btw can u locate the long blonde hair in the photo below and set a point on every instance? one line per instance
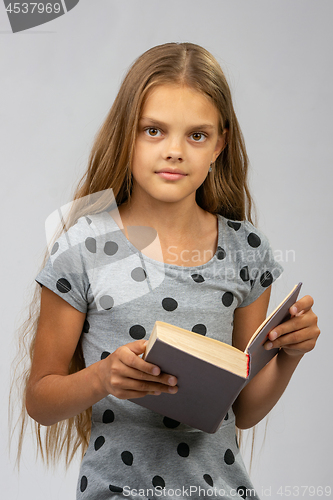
(224, 191)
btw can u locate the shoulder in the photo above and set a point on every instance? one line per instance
(249, 249)
(243, 234)
(86, 231)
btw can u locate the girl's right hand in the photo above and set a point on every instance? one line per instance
(53, 394)
(126, 375)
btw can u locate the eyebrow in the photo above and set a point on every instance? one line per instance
(206, 126)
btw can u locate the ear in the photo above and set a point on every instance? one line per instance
(221, 143)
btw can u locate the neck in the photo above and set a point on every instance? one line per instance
(166, 218)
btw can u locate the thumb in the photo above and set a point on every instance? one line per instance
(138, 347)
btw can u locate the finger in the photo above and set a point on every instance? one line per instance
(163, 378)
(296, 337)
(291, 325)
(132, 394)
(129, 355)
(121, 384)
(137, 394)
(130, 359)
(138, 346)
(304, 304)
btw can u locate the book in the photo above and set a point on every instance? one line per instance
(210, 373)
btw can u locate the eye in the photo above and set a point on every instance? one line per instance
(198, 136)
(152, 131)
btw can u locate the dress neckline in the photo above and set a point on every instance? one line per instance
(109, 218)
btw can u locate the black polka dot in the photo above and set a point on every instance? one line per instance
(63, 285)
(220, 253)
(88, 220)
(110, 248)
(86, 326)
(229, 457)
(226, 417)
(127, 457)
(266, 279)
(169, 304)
(115, 489)
(106, 302)
(208, 479)
(158, 481)
(138, 274)
(252, 282)
(197, 278)
(105, 354)
(108, 417)
(183, 450)
(244, 273)
(55, 248)
(99, 442)
(199, 328)
(137, 332)
(227, 299)
(170, 423)
(234, 225)
(253, 240)
(83, 483)
(91, 244)
(241, 490)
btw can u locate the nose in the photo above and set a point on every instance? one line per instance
(174, 150)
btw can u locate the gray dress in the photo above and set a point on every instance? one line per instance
(133, 452)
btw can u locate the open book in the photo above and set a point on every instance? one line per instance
(210, 373)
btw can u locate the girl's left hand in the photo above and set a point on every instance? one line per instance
(299, 334)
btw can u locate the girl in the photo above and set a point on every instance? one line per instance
(172, 152)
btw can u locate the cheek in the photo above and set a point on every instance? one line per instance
(140, 154)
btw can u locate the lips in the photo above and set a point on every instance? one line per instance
(171, 174)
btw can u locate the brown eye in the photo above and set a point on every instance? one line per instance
(152, 132)
(198, 137)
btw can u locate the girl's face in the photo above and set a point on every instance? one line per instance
(177, 140)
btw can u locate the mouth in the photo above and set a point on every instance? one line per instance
(171, 174)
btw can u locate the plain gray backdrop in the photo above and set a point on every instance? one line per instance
(58, 82)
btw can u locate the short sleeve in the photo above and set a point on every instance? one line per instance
(261, 269)
(65, 272)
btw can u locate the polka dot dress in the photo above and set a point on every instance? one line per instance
(134, 452)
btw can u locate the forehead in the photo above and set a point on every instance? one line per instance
(178, 102)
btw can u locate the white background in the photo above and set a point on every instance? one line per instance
(58, 82)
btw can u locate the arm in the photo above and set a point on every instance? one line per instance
(53, 395)
(295, 337)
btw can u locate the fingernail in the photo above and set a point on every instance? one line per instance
(273, 335)
(293, 310)
(156, 393)
(172, 390)
(172, 381)
(155, 371)
(269, 345)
